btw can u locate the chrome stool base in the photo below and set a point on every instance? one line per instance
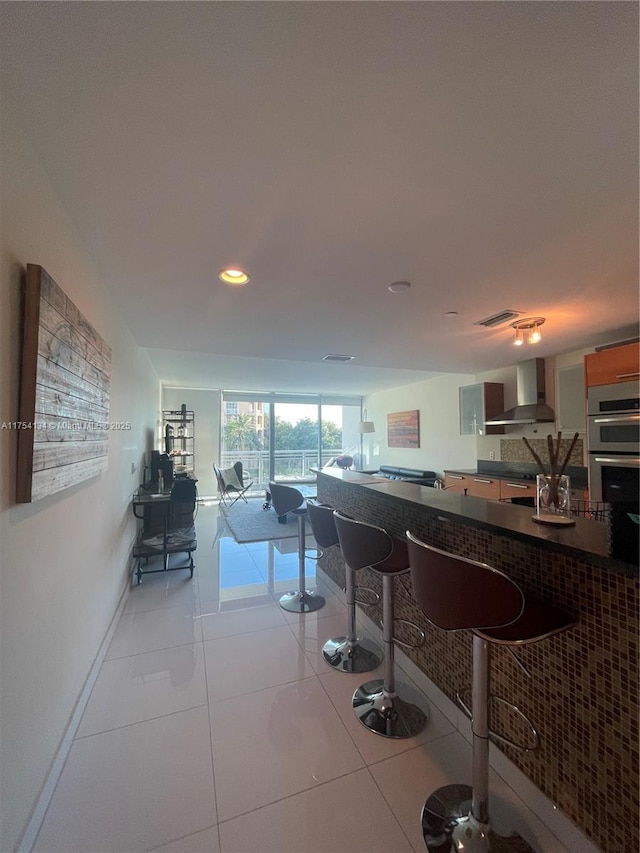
(301, 602)
(360, 655)
(448, 827)
(399, 716)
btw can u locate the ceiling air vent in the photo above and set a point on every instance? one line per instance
(497, 319)
(339, 358)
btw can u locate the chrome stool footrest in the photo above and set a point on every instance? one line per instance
(315, 557)
(421, 634)
(376, 597)
(448, 827)
(461, 699)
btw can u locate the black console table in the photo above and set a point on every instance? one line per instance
(167, 528)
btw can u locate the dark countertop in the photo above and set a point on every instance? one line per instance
(587, 537)
(525, 471)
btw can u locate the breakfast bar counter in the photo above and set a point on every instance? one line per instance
(583, 691)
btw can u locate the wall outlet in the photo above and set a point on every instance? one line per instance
(133, 467)
(492, 454)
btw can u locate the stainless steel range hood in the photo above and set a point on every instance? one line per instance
(531, 408)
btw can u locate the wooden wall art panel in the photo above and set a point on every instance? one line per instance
(64, 393)
(403, 429)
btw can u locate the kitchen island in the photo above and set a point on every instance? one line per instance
(583, 693)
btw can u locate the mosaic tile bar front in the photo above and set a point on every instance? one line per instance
(583, 693)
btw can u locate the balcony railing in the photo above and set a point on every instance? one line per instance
(290, 465)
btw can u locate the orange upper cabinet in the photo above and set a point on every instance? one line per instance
(619, 364)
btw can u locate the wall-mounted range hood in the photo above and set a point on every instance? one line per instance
(531, 408)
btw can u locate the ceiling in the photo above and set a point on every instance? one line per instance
(485, 152)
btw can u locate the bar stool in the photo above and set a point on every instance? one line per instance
(384, 707)
(455, 593)
(286, 499)
(350, 653)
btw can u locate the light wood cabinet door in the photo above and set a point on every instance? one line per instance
(512, 489)
(476, 485)
(455, 482)
(619, 364)
(483, 487)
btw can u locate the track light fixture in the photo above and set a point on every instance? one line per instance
(529, 327)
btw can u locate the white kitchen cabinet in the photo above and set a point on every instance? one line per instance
(570, 399)
(478, 403)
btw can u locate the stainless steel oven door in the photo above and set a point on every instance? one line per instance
(614, 433)
(614, 418)
(614, 478)
(609, 399)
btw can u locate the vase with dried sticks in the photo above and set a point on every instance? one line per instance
(553, 488)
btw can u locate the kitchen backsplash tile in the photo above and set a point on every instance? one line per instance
(515, 450)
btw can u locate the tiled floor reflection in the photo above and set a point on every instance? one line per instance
(216, 727)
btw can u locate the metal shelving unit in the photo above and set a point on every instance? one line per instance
(178, 438)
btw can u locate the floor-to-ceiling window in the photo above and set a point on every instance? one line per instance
(296, 440)
(283, 436)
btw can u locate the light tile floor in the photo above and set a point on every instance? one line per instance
(215, 727)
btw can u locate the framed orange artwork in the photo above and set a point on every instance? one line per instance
(403, 429)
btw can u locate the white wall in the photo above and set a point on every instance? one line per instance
(441, 445)
(206, 411)
(64, 560)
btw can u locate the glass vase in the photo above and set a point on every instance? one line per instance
(553, 496)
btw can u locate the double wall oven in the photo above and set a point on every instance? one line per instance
(614, 442)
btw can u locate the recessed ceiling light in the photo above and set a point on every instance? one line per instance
(233, 276)
(450, 313)
(399, 286)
